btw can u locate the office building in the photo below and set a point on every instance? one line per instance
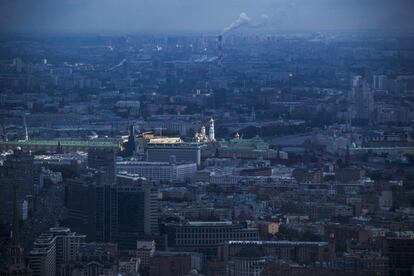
(207, 236)
(400, 251)
(159, 171)
(67, 248)
(42, 258)
(119, 213)
(87, 201)
(179, 152)
(134, 210)
(15, 264)
(302, 252)
(361, 99)
(103, 159)
(366, 262)
(54, 252)
(145, 250)
(380, 82)
(17, 173)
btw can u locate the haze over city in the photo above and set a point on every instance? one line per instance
(202, 16)
(216, 138)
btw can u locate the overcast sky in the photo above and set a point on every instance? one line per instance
(202, 15)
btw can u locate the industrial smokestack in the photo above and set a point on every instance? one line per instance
(220, 48)
(243, 20)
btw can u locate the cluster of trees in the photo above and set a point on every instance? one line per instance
(286, 233)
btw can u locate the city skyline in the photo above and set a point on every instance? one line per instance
(210, 138)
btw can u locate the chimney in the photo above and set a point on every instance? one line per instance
(220, 48)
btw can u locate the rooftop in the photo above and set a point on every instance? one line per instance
(54, 143)
(279, 242)
(210, 223)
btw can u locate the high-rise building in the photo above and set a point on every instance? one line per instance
(88, 201)
(67, 248)
(16, 173)
(121, 213)
(42, 258)
(361, 101)
(80, 203)
(103, 159)
(380, 82)
(99, 203)
(15, 264)
(55, 251)
(400, 251)
(134, 210)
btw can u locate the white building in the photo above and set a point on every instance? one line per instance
(158, 171)
(54, 251)
(145, 250)
(182, 152)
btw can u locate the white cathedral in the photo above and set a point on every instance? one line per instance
(202, 135)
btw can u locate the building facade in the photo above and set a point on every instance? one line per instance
(159, 171)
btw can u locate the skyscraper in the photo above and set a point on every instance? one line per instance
(103, 159)
(119, 213)
(15, 263)
(53, 252)
(42, 258)
(134, 210)
(68, 244)
(400, 251)
(88, 199)
(16, 173)
(361, 101)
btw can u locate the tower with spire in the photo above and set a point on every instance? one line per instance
(131, 146)
(211, 134)
(26, 132)
(202, 135)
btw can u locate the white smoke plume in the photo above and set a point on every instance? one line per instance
(264, 20)
(241, 21)
(244, 20)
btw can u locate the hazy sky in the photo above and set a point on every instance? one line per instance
(201, 15)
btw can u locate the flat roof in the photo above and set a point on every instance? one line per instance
(210, 223)
(149, 163)
(383, 148)
(280, 242)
